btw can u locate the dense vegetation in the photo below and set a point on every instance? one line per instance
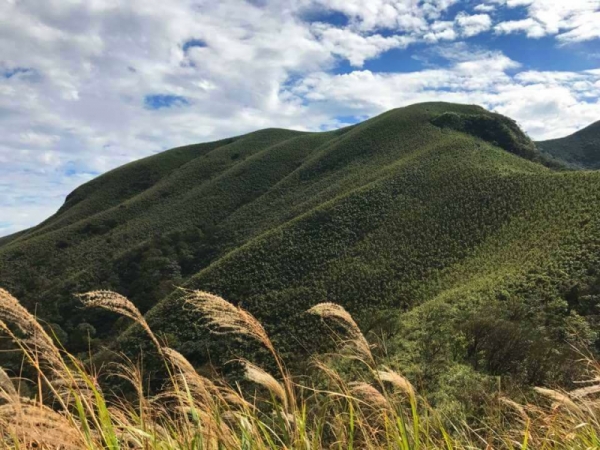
(368, 405)
(580, 150)
(435, 225)
(495, 128)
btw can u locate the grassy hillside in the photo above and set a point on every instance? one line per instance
(580, 150)
(435, 225)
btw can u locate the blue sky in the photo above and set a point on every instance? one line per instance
(86, 86)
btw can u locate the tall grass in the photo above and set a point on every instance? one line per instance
(381, 409)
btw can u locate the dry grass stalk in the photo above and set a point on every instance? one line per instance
(132, 374)
(225, 317)
(519, 409)
(369, 395)
(259, 376)
(75, 387)
(398, 381)
(217, 432)
(228, 420)
(36, 340)
(201, 387)
(38, 426)
(338, 314)
(559, 398)
(333, 375)
(7, 388)
(116, 303)
(584, 392)
(179, 361)
(128, 434)
(213, 431)
(234, 399)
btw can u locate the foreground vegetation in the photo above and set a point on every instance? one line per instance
(368, 407)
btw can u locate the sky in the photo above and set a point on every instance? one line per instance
(86, 86)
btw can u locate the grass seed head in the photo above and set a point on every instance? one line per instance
(338, 314)
(260, 376)
(39, 426)
(516, 407)
(225, 317)
(116, 303)
(398, 381)
(7, 388)
(35, 339)
(559, 398)
(370, 395)
(585, 392)
(201, 387)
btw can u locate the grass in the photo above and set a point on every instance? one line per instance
(373, 408)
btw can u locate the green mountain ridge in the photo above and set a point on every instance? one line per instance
(580, 150)
(436, 225)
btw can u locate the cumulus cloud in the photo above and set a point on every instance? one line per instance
(546, 104)
(402, 15)
(531, 27)
(472, 25)
(486, 8)
(584, 27)
(569, 20)
(441, 30)
(355, 47)
(88, 86)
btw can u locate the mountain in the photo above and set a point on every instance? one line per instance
(580, 150)
(436, 225)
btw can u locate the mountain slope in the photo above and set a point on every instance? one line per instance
(434, 224)
(580, 150)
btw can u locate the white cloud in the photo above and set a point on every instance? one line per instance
(20, 205)
(402, 15)
(585, 27)
(441, 30)
(485, 8)
(355, 47)
(570, 20)
(531, 27)
(546, 104)
(79, 73)
(473, 25)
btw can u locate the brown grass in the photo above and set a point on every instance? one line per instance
(259, 376)
(398, 381)
(355, 338)
(338, 411)
(116, 303)
(224, 317)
